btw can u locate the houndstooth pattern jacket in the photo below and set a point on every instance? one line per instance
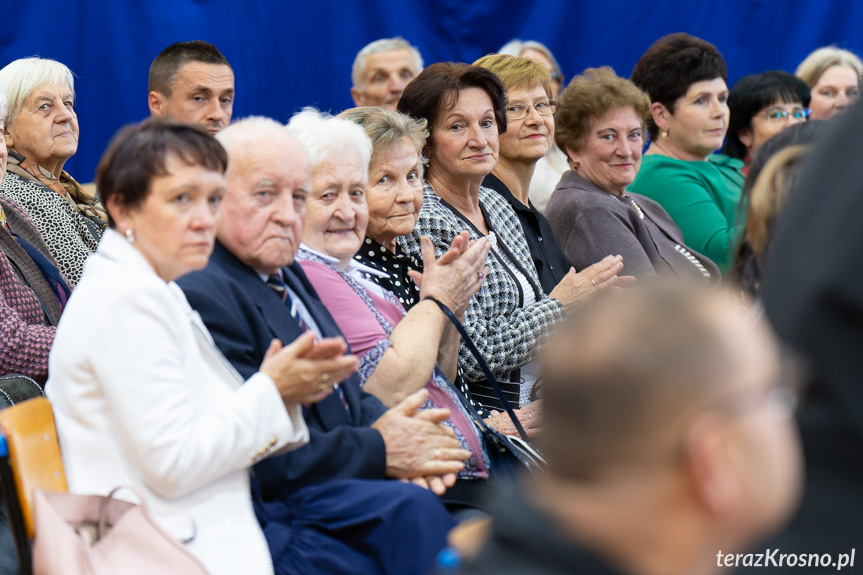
(25, 332)
(506, 335)
(61, 225)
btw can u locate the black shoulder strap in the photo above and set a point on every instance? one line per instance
(484, 367)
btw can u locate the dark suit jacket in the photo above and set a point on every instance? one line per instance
(244, 314)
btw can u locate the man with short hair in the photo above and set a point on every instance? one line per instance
(670, 443)
(381, 71)
(192, 82)
(327, 507)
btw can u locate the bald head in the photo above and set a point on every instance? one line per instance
(626, 375)
(261, 217)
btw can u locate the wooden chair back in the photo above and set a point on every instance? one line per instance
(34, 452)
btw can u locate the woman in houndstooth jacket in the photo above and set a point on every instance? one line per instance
(507, 319)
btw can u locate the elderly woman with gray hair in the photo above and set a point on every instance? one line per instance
(33, 292)
(400, 351)
(41, 131)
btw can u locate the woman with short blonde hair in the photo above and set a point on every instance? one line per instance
(833, 75)
(529, 137)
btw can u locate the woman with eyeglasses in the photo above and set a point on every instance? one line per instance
(685, 79)
(600, 126)
(762, 105)
(529, 135)
(552, 165)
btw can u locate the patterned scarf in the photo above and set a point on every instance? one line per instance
(65, 185)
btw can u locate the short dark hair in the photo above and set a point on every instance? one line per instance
(163, 70)
(436, 89)
(754, 93)
(671, 65)
(139, 152)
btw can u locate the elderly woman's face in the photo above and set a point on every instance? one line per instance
(46, 129)
(175, 227)
(697, 127)
(336, 212)
(834, 92)
(395, 192)
(611, 156)
(529, 138)
(465, 138)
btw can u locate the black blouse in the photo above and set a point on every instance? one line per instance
(396, 265)
(549, 260)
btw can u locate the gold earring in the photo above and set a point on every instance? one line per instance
(664, 135)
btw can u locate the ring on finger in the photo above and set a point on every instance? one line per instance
(479, 275)
(323, 386)
(593, 281)
(530, 415)
(325, 377)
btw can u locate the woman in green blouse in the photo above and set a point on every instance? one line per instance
(685, 78)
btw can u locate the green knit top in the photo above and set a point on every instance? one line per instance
(701, 197)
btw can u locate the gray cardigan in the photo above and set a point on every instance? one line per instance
(589, 224)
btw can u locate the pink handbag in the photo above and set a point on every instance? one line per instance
(101, 535)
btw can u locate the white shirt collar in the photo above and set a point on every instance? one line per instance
(354, 267)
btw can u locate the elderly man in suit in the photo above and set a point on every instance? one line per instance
(327, 507)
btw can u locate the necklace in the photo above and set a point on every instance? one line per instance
(637, 208)
(686, 253)
(623, 199)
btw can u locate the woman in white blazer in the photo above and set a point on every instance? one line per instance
(141, 395)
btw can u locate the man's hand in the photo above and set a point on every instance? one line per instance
(418, 446)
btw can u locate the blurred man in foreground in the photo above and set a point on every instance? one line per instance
(669, 438)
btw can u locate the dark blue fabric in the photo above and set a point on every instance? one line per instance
(292, 54)
(243, 315)
(52, 276)
(351, 526)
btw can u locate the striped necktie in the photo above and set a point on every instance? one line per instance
(281, 289)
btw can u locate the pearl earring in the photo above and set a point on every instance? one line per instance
(130, 235)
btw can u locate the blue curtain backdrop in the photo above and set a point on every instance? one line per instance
(288, 54)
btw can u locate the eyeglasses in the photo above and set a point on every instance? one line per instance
(520, 111)
(778, 114)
